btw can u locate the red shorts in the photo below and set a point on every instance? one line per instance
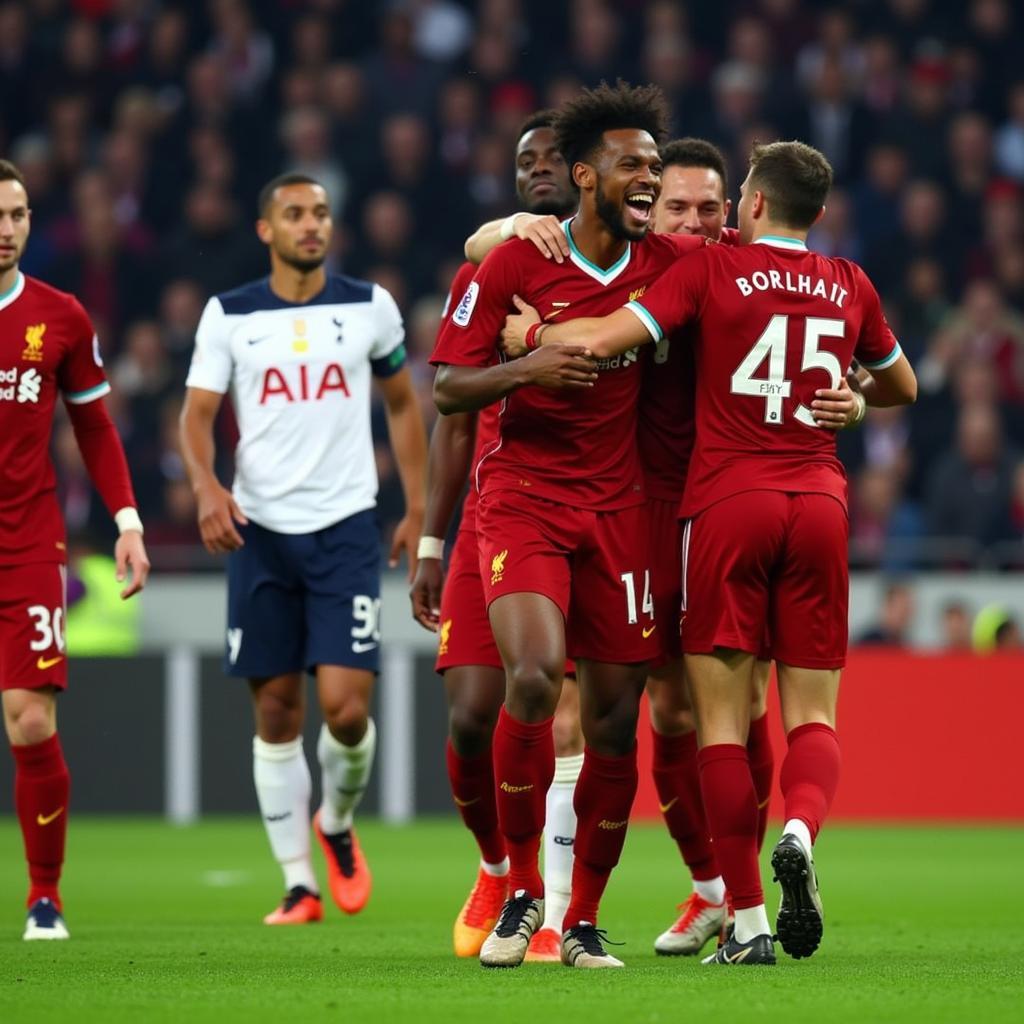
(773, 560)
(593, 565)
(466, 637)
(32, 613)
(666, 533)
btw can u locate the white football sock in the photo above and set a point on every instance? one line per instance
(750, 922)
(559, 836)
(712, 889)
(798, 828)
(345, 772)
(283, 788)
(495, 870)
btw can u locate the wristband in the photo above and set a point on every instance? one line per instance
(127, 518)
(508, 226)
(430, 547)
(532, 338)
(862, 408)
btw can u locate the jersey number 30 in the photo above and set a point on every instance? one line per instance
(772, 346)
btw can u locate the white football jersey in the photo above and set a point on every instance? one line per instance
(299, 376)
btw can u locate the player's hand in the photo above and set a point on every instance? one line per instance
(836, 408)
(513, 334)
(545, 232)
(425, 593)
(218, 513)
(130, 556)
(407, 536)
(561, 366)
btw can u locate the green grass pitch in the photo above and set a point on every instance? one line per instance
(922, 924)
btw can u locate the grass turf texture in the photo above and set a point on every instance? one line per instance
(922, 924)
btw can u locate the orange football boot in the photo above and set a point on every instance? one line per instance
(545, 947)
(300, 906)
(347, 873)
(479, 914)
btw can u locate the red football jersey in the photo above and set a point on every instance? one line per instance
(774, 323)
(487, 418)
(576, 447)
(47, 344)
(666, 422)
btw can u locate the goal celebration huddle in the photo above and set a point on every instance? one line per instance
(639, 414)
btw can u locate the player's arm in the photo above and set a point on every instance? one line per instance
(409, 443)
(542, 230)
(894, 384)
(215, 507)
(890, 377)
(448, 463)
(104, 458)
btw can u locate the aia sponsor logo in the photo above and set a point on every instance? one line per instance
(302, 383)
(23, 387)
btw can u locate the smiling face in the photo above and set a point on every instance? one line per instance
(625, 179)
(542, 176)
(297, 226)
(692, 202)
(15, 219)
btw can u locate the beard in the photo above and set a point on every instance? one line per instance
(303, 264)
(612, 218)
(555, 205)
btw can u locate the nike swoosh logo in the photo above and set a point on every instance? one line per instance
(361, 648)
(464, 803)
(648, 632)
(45, 819)
(738, 958)
(256, 341)
(665, 808)
(44, 663)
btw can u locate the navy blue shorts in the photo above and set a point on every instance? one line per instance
(300, 600)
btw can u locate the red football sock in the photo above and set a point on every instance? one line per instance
(677, 780)
(41, 788)
(604, 797)
(810, 774)
(472, 781)
(762, 765)
(524, 765)
(731, 806)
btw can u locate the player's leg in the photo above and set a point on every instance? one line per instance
(759, 741)
(560, 824)
(475, 694)
(474, 682)
(530, 632)
(283, 789)
(33, 669)
(524, 547)
(345, 749)
(809, 635)
(264, 645)
(677, 780)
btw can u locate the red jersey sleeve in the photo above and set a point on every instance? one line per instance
(678, 294)
(876, 346)
(469, 335)
(729, 236)
(80, 375)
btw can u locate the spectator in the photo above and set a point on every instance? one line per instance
(895, 618)
(1009, 144)
(956, 627)
(995, 629)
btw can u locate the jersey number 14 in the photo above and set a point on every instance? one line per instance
(772, 346)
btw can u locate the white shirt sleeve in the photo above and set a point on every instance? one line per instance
(212, 365)
(390, 332)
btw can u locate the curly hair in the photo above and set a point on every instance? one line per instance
(581, 122)
(690, 152)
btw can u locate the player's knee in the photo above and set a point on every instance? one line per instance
(567, 732)
(347, 720)
(612, 731)
(533, 690)
(30, 725)
(669, 719)
(470, 729)
(277, 720)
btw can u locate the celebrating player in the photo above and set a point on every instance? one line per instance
(467, 656)
(298, 350)
(773, 323)
(560, 519)
(47, 346)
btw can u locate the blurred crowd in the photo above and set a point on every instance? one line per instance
(146, 128)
